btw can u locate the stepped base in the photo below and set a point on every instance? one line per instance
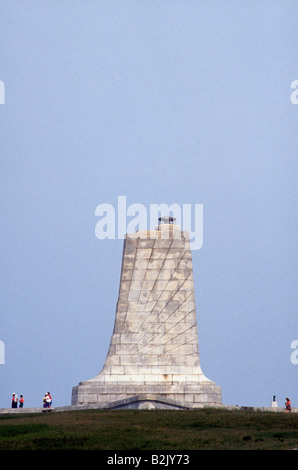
(165, 396)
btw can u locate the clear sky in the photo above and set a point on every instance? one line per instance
(166, 101)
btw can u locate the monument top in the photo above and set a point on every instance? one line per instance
(166, 220)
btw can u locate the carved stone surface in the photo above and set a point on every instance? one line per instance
(154, 345)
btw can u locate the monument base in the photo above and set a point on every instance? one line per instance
(167, 396)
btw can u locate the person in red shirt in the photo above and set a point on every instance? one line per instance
(14, 403)
(21, 401)
(288, 405)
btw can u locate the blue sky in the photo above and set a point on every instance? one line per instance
(183, 102)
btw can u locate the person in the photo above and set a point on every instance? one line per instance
(49, 400)
(21, 401)
(288, 405)
(14, 403)
(45, 404)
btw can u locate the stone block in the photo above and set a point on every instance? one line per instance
(143, 253)
(138, 275)
(159, 253)
(165, 274)
(133, 296)
(148, 243)
(123, 296)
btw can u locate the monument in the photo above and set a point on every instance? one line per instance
(153, 359)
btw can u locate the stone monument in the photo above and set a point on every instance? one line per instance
(153, 359)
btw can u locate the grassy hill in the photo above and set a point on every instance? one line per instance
(208, 429)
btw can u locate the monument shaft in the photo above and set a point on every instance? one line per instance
(153, 354)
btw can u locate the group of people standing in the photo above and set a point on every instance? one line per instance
(47, 400)
(17, 401)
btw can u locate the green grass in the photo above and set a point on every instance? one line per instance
(208, 429)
